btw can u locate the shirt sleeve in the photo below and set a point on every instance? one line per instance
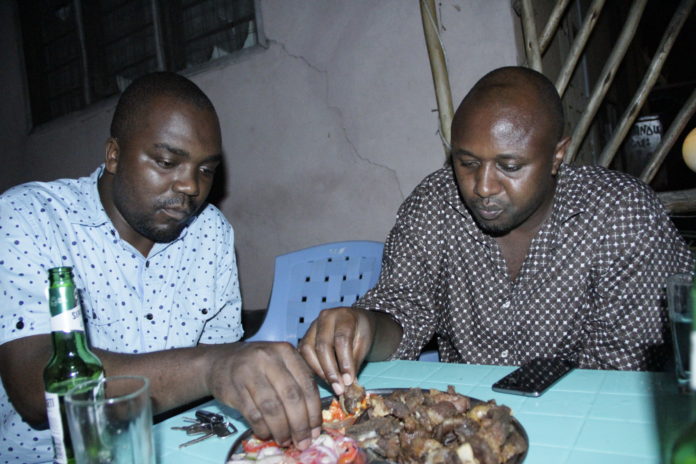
(24, 256)
(226, 325)
(406, 286)
(640, 248)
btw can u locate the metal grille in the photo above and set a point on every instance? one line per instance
(78, 51)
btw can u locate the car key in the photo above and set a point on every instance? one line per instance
(205, 436)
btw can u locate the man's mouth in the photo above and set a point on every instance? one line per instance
(489, 213)
(178, 214)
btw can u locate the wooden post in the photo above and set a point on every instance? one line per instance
(531, 40)
(606, 78)
(438, 67)
(681, 201)
(552, 25)
(578, 46)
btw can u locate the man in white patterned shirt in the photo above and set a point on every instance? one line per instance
(507, 254)
(156, 269)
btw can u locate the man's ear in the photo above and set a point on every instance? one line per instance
(561, 148)
(112, 155)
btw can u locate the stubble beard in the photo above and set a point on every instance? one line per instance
(143, 222)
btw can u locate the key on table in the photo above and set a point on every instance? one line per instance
(217, 422)
(207, 423)
(205, 436)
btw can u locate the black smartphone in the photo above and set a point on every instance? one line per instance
(533, 377)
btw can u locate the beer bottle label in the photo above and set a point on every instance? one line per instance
(56, 424)
(68, 321)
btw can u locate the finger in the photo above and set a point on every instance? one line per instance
(310, 399)
(253, 415)
(325, 350)
(268, 407)
(344, 339)
(308, 352)
(291, 379)
(364, 335)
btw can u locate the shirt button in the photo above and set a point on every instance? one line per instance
(147, 263)
(204, 311)
(506, 305)
(504, 354)
(149, 316)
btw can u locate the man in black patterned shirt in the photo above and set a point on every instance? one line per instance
(507, 254)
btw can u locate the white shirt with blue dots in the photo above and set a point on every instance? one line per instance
(183, 293)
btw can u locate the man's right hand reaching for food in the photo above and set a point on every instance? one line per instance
(340, 339)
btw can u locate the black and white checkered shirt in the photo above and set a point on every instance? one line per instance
(591, 287)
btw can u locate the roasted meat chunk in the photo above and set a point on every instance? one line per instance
(352, 399)
(436, 427)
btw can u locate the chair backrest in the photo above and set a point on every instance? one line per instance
(309, 280)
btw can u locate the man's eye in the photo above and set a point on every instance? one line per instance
(165, 163)
(208, 171)
(510, 167)
(467, 164)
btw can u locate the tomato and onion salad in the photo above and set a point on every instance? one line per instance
(331, 447)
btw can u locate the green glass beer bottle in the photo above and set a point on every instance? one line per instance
(684, 450)
(72, 361)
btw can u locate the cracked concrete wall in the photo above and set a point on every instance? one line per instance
(325, 131)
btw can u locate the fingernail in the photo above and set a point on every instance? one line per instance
(316, 431)
(337, 388)
(304, 444)
(347, 379)
(286, 443)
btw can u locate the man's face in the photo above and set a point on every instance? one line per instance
(164, 170)
(505, 163)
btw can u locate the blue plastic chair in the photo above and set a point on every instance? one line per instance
(309, 280)
(323, 276)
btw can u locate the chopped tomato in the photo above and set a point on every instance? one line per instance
(336, 412)
(254, 445)
(349, 456)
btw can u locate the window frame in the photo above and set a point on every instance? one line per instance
(92, 103)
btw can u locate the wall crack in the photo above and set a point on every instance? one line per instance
(337, 110)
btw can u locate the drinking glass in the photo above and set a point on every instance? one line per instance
(679, 308)
(110, 420)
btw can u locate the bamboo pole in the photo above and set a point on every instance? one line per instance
(438, 67)
(84, 58)
(670, 138)
(668, 38)
(681, 201)
(552, 25)
(578, 46)
(159, 41)
(531, 40)
(606, 78)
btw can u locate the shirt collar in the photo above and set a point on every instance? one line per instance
(567, 198)
(453, 197)
(93, 214)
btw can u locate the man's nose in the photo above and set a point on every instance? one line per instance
(487, 184)
(187, 183)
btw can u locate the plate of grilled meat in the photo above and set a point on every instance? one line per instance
(400, 425)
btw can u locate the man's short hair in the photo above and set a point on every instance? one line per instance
(140, 93)
(517, 76)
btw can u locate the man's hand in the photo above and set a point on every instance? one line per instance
(269, 383)
(272, 386)
(337, 343)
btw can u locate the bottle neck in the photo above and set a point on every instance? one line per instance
(68, 342)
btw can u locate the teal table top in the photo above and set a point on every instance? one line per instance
(587, 417)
